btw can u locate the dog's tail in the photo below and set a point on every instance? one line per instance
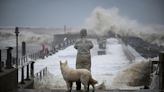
(93, 81)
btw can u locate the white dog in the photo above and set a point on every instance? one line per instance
(71, 75)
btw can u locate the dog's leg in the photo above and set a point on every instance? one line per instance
(68, 86)
(93, 88)
(71, 86)
(85, 82)
(88, 87)
(85, 88)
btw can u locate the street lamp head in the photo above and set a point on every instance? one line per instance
(16, 31)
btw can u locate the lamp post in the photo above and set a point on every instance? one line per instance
(17, 33)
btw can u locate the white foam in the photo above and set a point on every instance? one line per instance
(102, 20)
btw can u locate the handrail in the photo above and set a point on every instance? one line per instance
(41, 74)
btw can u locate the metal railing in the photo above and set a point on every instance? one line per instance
(42, 73)
(60, 46)
(25, 63)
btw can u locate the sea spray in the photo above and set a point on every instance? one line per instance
(136, 74)
(50, 81)
(101, 21)
(7, 37)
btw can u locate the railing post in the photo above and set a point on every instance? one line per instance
(28, 77)
(60, 46)
(22, 75)
(71, 41)
(37, 76)
(40, 75)
(23, 48)
(9, 58)
(68, 42)
(161, 70)
(32, 56)
(39, 54)
(18, 62)
(32, 69)
(35, 56)
(65, 44)
(44, 71)
(0, 62)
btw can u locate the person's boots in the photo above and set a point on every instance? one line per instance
(78, 85)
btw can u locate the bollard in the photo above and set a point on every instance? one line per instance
(32, 69)
(0, 62)
(161, 71)
(23, 61)
(9, 58)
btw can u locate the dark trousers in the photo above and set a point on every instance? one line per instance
(78, 85)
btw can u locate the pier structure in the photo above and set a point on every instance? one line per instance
(9, 70)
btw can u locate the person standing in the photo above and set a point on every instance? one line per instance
(83, 58)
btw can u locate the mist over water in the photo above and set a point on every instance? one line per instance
(99, 23)
(31, 36)
(103, 20)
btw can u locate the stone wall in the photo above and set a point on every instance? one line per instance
(9, 80)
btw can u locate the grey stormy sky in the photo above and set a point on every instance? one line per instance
(57, 13)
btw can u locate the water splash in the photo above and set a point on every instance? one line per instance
(101, 21)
